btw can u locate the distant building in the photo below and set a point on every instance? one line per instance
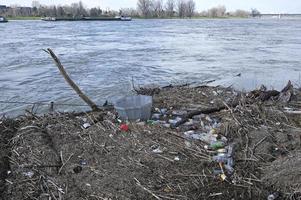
(3, 9)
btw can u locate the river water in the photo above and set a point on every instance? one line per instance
(102, 57)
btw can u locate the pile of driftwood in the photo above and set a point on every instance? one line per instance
(56, 157)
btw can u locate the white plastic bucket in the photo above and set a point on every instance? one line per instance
(134, 107)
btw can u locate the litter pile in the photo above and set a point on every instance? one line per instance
(200, 143)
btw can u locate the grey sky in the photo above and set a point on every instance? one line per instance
(265, 6)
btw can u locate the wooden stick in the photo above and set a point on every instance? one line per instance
(147, 190)
(71, 82)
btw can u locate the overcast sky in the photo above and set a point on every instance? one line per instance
(265, 6)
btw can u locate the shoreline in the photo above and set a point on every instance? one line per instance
(101, 158)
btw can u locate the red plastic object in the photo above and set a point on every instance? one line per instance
(124, 127)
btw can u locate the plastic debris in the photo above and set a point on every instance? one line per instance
(220, 158)
(222, 151)
(86, 125)
(163, 111)
(177, 158)
(208, 119)
(273, 196)
(166, 125)
(179, 112)
(83, 162)
(217, 172)
(188, 144)
(173, 122)
(124, 127)
(152, 122)
(156, 116)
(141, 123)
(217, 145)
(189, 123)
(223, 177)
(157, 150)
(28, 174)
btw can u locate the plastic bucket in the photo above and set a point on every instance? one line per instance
(134, 107)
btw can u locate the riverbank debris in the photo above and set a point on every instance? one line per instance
(239, 147)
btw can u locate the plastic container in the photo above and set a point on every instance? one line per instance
(134, 107)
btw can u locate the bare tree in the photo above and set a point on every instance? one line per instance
(255, 13)
(81, 9)
(144, 7)
(60, 11)
(35, 4)
(219, 11)
(170, 8)
(240, 13)
(190, 8)
(129, 12)
(181, 6)
(157, 6)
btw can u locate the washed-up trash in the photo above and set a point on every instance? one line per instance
(189, 123)
(86, 125)
(217, 172)
(208, 138)
(156, 116)
(220, 158)
(83, 162)
(163, 111)
(229, 165)
(179, 112)
(192, 135)
(187, 144)
(134, 107)
(141, 123)
(213, 131)
(152, 122)
(217, 145)
(28, 174)
(173, 122)
(230, 150)
(124, 127)
(198, 117)
(208, 119)
(223, 177)
(222, 151)
(157, 150)
(273, 196)
(166, 125)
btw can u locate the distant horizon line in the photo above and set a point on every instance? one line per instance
(108, 8)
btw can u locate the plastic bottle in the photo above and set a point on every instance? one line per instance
(217, 145)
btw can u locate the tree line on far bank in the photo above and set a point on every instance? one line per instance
(145, 9)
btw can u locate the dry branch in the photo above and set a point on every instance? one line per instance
(71, 82)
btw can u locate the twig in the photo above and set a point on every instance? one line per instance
(64, 163)
(147, 190)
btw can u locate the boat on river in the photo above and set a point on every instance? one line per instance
(117, 18)
(3, 19)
